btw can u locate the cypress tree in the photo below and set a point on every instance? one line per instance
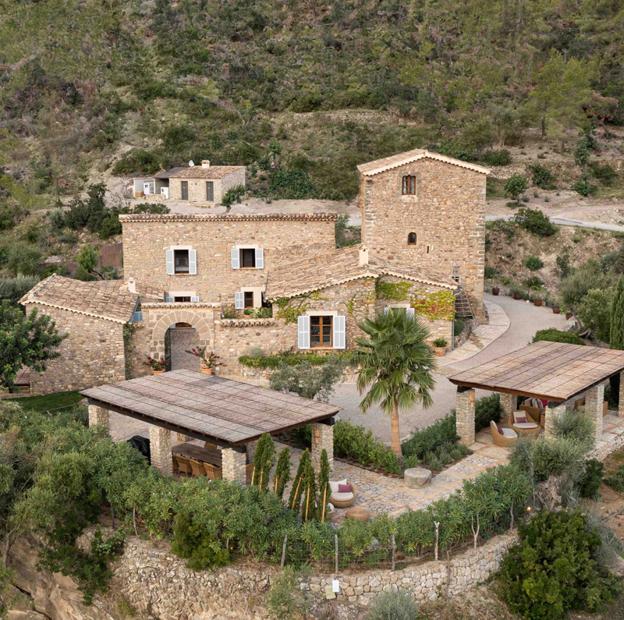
(282, 473)
(294, 501)
(616, 331)
(308, 505)
(263, 462)
(323, 486)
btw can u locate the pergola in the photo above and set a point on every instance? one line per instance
(551, 371)
(223, 412)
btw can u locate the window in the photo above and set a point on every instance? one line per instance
(321, 331)
(411, 238)
(248, 299)
(209, 191)
(247, 258)
(409, 185)
(182, 299)
(181, 261)
(184, 190)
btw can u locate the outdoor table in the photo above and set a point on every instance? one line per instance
(198, 453)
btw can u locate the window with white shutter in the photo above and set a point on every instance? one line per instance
(259, 258)
(239, 300)
(340, 335)
(192, 262)
(169, 261)
(235, 257)
(303, 332)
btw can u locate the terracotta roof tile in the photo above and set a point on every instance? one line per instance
(198, 172)
(340, 265)
(107, 299)
(394, 161)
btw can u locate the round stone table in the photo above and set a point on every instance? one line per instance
(416, 477)
(357, 513)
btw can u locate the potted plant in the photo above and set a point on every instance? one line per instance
(439, 346)
(495, 290)
(537, 300)
(157, 364)
(208, 360)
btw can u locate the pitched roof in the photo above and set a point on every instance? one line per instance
(198, 172)
(338, 266)
(229, 217)
(394, 161)
(554, 371)
(209, 407)
(104, 299)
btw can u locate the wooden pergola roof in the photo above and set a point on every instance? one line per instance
(220, 410)
(552, 371)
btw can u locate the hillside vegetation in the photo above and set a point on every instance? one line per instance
(299, 91)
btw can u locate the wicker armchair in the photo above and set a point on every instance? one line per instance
(507, 440)
(341, 500)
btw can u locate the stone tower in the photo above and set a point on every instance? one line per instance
(425, 213)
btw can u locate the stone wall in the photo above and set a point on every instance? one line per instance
(145, 239)
(91, 354)
(197, 187)
(154, 582)
(447, 213)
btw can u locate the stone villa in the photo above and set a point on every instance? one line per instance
(275, 282)
(204, 184)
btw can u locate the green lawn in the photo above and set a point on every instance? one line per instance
(49, 401)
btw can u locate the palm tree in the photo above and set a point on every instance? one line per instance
(395, 365)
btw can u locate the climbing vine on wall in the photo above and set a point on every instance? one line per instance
(439, 305)
(392, 291)
(290, 308)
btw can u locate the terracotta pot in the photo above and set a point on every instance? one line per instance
(207, 371)
(556, 310)
(538, 302)
(515, 296)
(495, 290)
(157, 372)
(439, 351)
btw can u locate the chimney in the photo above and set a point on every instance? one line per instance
(132, 285)
(363, 256)
(205, 163)
(191, 163)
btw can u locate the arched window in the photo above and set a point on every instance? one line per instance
(411, 238)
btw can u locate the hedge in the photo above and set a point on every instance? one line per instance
(292, 359)
(556, 335)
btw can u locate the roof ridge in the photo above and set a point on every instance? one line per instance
(227, 217)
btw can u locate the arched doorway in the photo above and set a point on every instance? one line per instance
(179, 339)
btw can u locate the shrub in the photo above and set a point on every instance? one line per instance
(575, 425)
(286, 599)
(605, 173)
(259, 360)
(430, 438)
(23, 258)
(556, 335)
(490, 272)
(515, 185)
(458, 326)
(497, 157)
(233, 195)
(535, 222)
(487, 409)
(586, 277)
(616, 480)
(589, 484)
(308, 380)
(358, 443)
(393, 606)
(15, 288)
(534, 283)
(554, 569)
(533, 263)
(541, 176)
(594, 312)
(583, 187)
(290, 184)
(137, 161)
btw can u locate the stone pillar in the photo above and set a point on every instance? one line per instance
(465, 415)
(621, 396)
(233, 463)
(98, 416)
(509, 404)
(160, 449)
(182, 438)
(322, 439)
(551, 414)
(594, 399)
